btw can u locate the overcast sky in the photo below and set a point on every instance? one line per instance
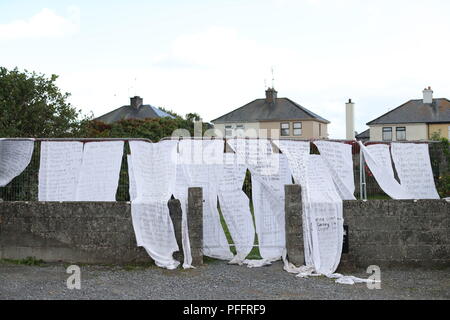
(211, 57)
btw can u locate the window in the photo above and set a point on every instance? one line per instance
(239, 131)
(228, 131)
(401, 133)
(285, 129)
(297, 128)
(387, 134)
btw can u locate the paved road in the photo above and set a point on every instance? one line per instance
(216, 280)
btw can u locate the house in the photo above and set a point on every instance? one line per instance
(272, 117)
(136, 110)
(414, 120)
(363, 136)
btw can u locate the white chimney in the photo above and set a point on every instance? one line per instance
(350, 120)
(428, 95)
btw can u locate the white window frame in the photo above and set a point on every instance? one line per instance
(228, 131)
(288, 129)
(382, 133)
(397, 131)
(300, 128)
(240, 130)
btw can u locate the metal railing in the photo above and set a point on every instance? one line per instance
(25, 186)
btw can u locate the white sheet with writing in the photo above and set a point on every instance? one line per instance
(235, 207)
(322, 214)
(60, 163)
(100, 170)
(297, 153)
(323, 211)
(154, 169)
(378, 161)
(381, 154)
(15, 156)
(338, 158)
(270, 173)
(202, 164)
(413, 165)
(131, 182)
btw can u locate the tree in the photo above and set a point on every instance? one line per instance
(193, 117)
(31, 105)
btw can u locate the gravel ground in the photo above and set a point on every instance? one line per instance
(215, 280)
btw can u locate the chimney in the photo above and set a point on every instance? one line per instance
(350, 120)
(271, 95)
(136, 102)
(427, 96)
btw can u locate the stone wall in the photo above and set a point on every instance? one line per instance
(398, 233)
(83, 232)
(87, 232)
(387, 233)
(381, 232)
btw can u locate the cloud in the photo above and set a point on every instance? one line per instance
(45, 23)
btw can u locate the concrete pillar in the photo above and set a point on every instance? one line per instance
(350, 120)
(294, 224)
(195, 224)
(176, 216)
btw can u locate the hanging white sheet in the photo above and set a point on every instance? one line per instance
(100, 170)
(338, 158)
(270, 173)
(235, 207)
(15, 156)
(181, 193)
(131, 182)
(59, 168)
(381, 168)
(297, 153)
(413, 165)
(202, 163)
(154, 169)
(324, 216)
(380, 153)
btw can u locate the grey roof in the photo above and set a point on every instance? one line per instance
(261, 110)
(364, 135)
(145, 111)
(415, 111)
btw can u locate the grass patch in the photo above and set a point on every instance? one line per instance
(254, 253)
(28, 261)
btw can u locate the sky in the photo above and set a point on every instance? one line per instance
(212, 57)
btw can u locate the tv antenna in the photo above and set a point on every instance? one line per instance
(273, 79)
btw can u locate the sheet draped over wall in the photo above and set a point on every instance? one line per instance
(322, 211)
(154, 167)
(324, 215)
(235, 206)
(181, 193)
(270, 173)
(100, 170)
(382, 155)
(132, 181)
(338, 158)
(377, 158)
(15, 156)
(413, 165)
(202, 165)
(59, 168)
(73, 171)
